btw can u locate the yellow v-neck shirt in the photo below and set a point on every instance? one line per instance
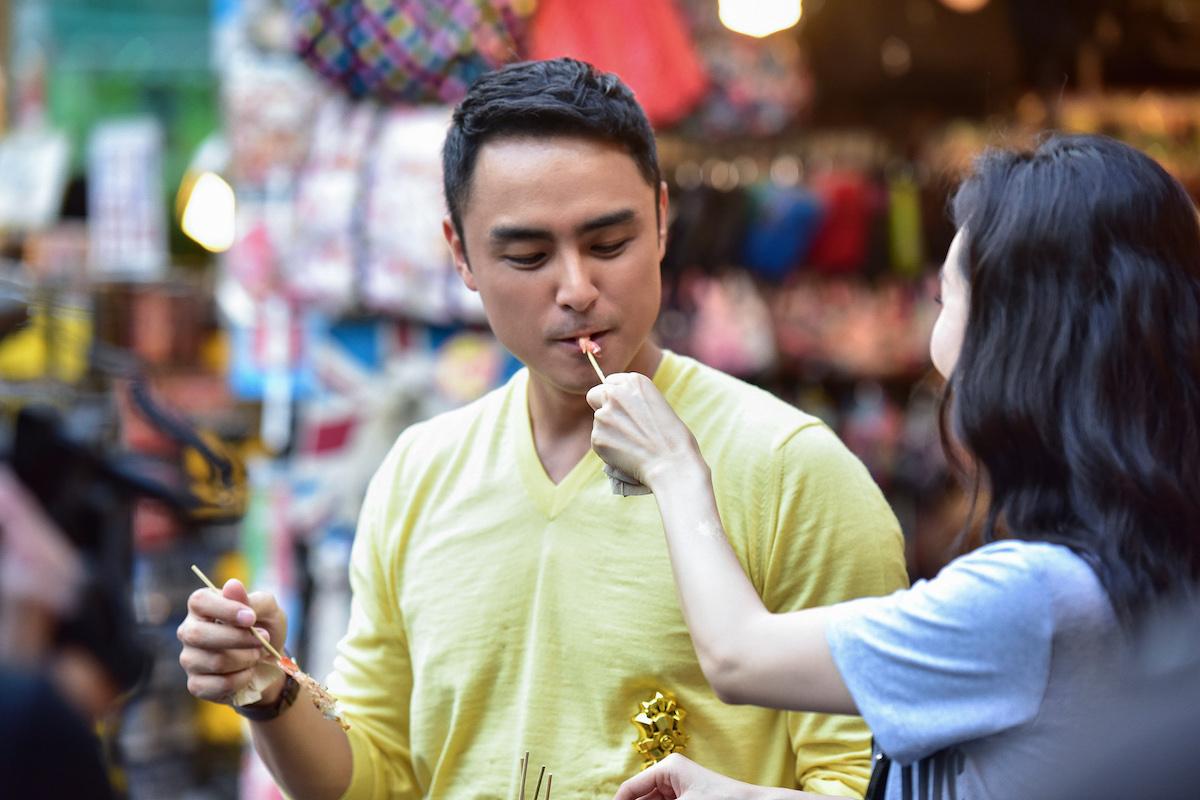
(497, 613)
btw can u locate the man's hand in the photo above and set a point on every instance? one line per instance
(220, 650)
(678, 778)
(637, 431)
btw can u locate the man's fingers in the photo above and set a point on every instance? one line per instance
(217, 688)
(201, 633)
(209, 604)
(224, 662)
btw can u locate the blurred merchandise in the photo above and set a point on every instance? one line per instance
(411, 51)
(34, 164)
(126, 213)
(757, 87)
(639, 40)
(407, 269)
(52, 345)
(318, 269)
(268, 109)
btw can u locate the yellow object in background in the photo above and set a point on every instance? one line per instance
(54, 344)
(218, 723)
(232, 565)
(214, 352)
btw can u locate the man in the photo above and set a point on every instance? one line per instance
(505, 599)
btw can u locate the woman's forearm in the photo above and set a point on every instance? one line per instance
(719, 603)
(748, 654)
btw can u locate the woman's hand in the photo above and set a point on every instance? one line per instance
(637, 431)
(678, 778)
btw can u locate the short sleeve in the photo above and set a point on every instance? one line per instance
(953, 659)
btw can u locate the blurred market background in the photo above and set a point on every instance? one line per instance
(223, 266)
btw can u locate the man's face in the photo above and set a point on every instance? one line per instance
(563, 242)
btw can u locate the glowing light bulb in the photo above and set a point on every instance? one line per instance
(208, 212)
(758, 17)
(964, 6)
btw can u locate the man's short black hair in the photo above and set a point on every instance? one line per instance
(561, 96)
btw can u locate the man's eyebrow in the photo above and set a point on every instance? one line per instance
(607, 220)
(513, 233)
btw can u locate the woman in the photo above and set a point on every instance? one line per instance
(1069, 337)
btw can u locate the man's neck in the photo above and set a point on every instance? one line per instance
(562, 421)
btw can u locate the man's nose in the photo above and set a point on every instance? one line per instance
(576, 288)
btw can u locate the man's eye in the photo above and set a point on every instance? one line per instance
(611, 248)
(531, 260)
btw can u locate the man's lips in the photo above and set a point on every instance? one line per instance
(573, 339)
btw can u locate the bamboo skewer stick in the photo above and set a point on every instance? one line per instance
(261, 638)
(595, 366)
(537, 791)
(524, 764)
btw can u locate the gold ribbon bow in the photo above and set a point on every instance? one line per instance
(660, 728)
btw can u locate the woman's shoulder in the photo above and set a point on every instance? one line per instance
(1019, 568)
(1024, 560)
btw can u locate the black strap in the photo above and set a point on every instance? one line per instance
(877, 788)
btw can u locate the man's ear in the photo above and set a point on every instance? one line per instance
(458, 251)
(664, 208)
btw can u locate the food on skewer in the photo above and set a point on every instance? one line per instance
(326, 703)
(591, 350)
(588, 346)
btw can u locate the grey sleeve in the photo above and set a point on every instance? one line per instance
(959, 657)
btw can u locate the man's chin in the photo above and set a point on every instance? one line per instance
(568, 381)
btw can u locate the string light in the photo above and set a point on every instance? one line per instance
(208, 212)
(758, 18)
(964, 6)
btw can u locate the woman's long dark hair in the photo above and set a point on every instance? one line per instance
(1077, 390)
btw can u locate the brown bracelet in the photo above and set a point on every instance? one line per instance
(263, 713)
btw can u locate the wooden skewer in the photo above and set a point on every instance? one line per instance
(537, 791)
(524, 772)
(261, 638)
(595, 366)
(549, 783)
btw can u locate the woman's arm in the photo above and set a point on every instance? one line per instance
(748, 654)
